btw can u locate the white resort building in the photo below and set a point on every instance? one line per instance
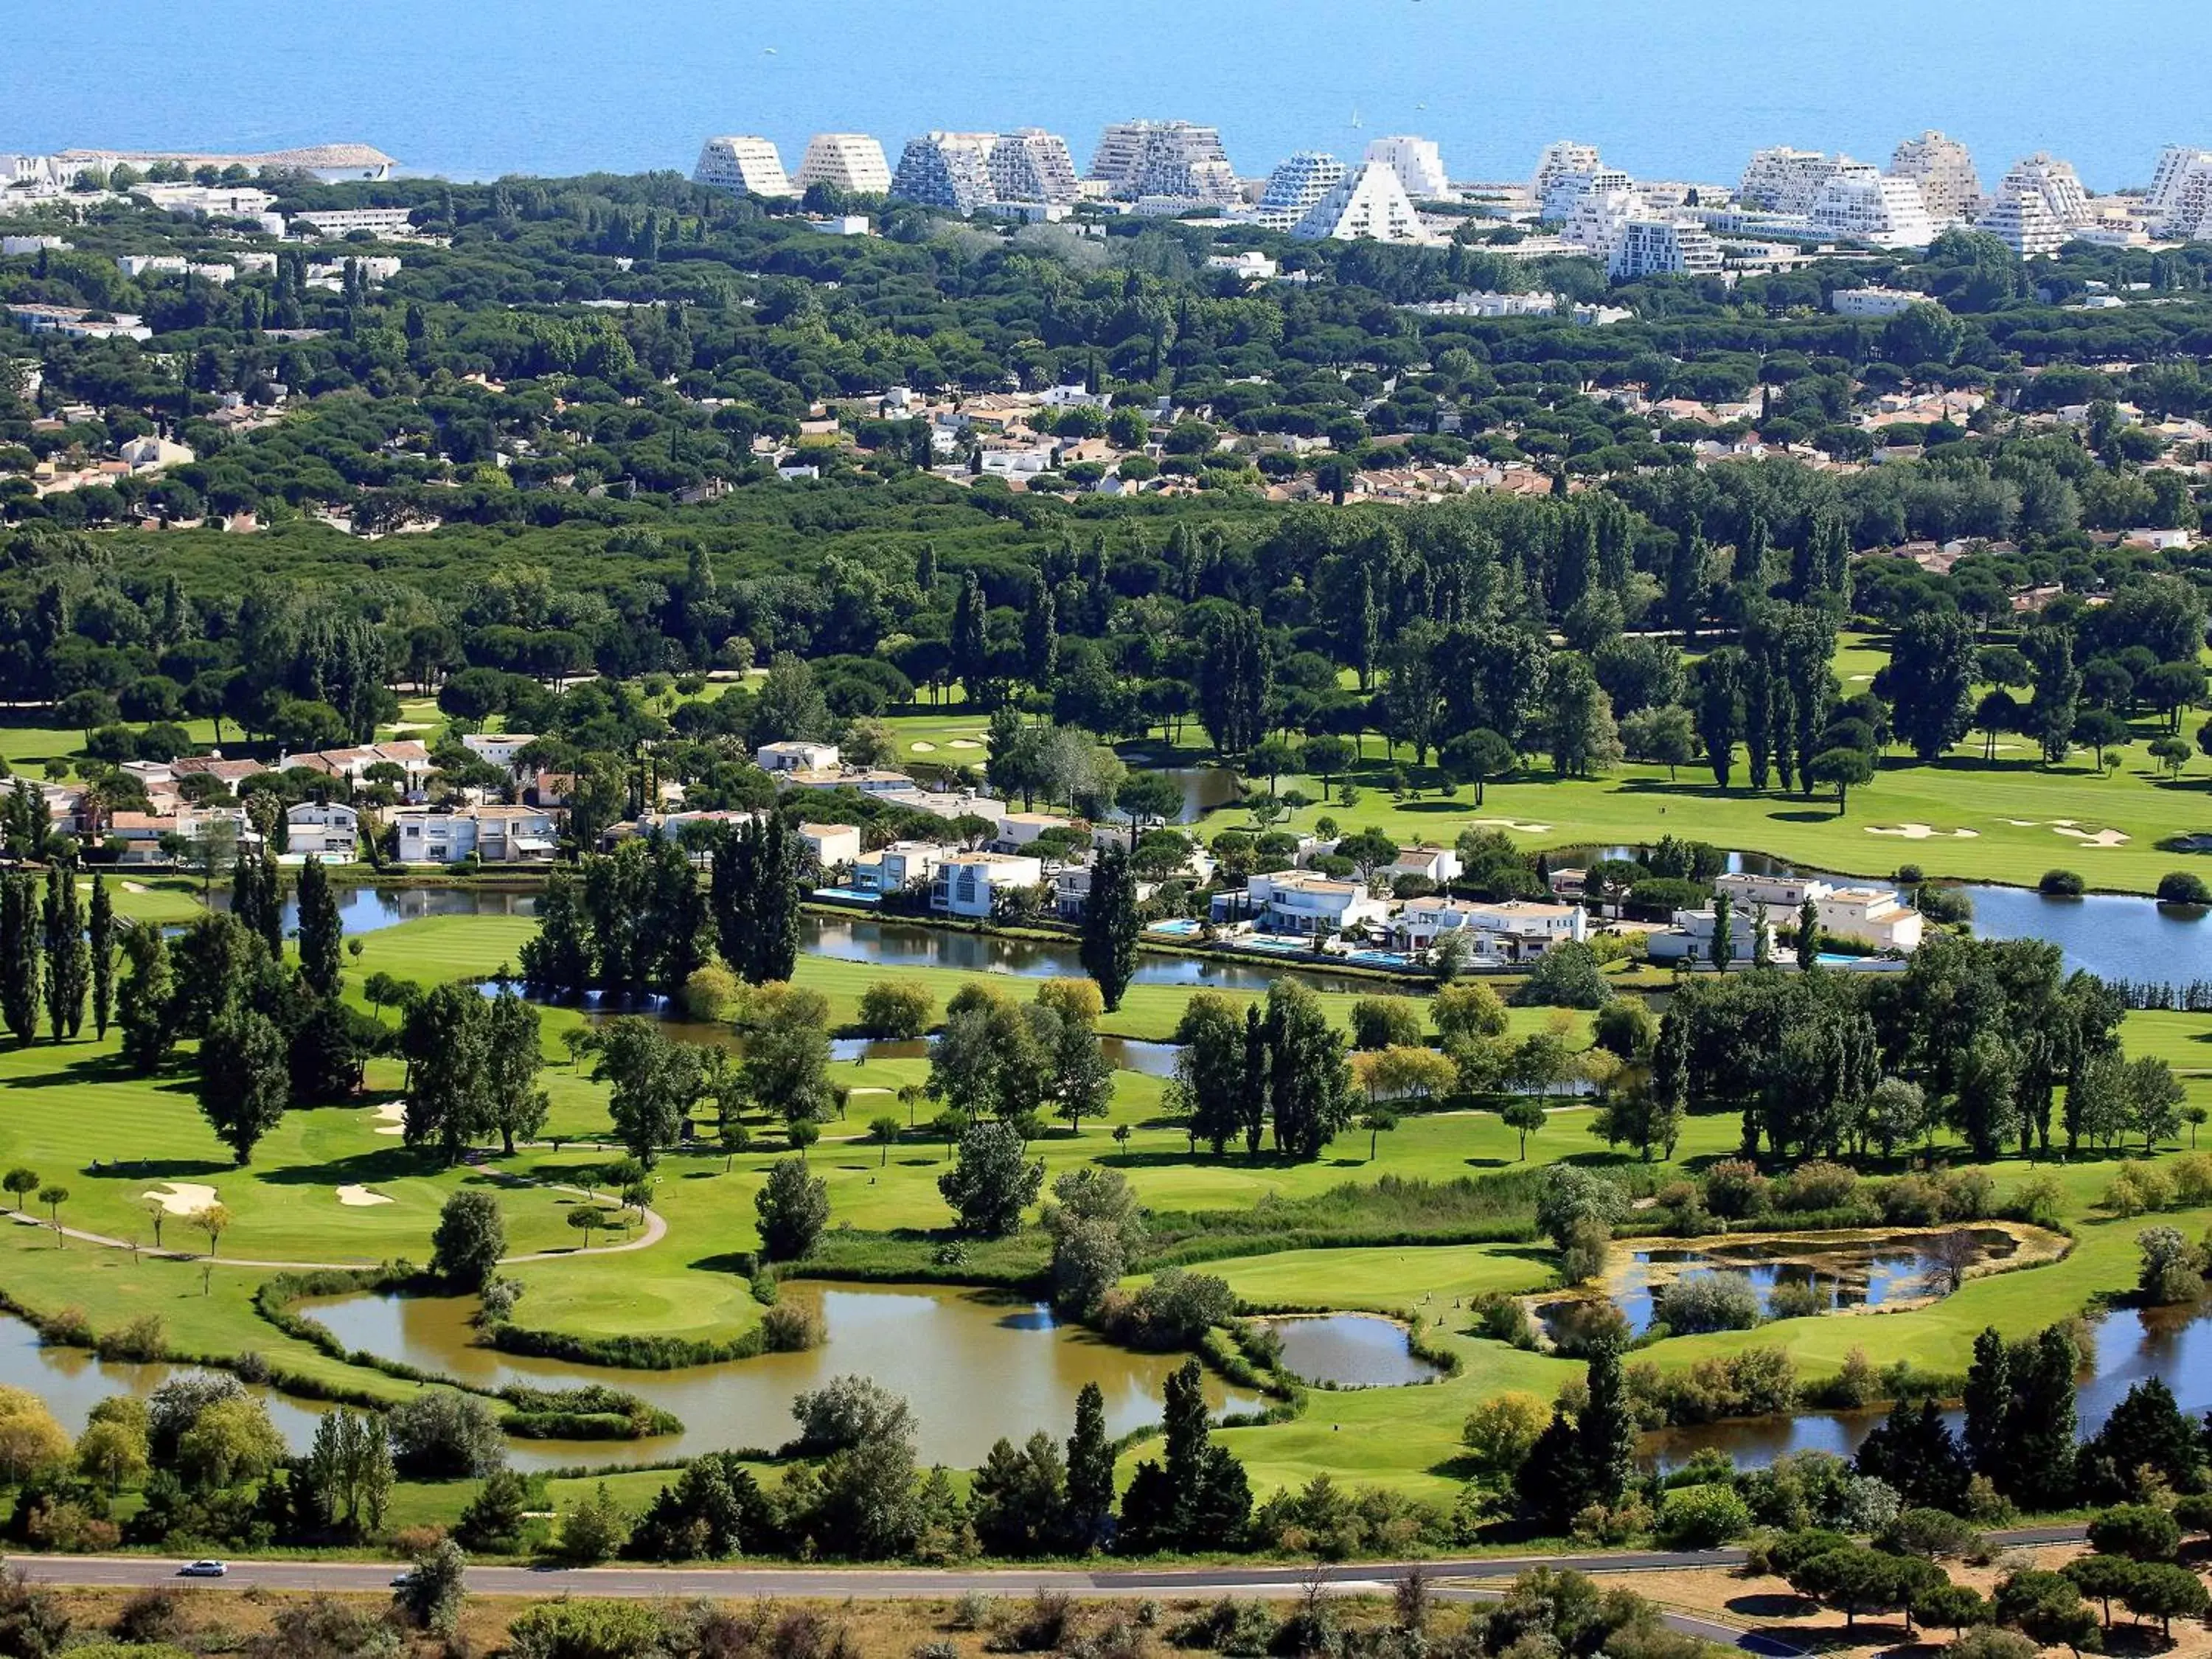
(850, 161)
(748, 166)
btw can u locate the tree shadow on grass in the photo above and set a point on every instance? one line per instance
(1771, 1605)
(355, 1169)
(1823, 815)
(1487, 1163)
(170, 1170)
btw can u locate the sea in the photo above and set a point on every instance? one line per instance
(1682, 90)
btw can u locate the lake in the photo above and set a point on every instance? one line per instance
(935, 1347)
(1352, 1351)
(1683, 90)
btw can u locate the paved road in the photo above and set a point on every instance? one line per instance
(1460, 1579)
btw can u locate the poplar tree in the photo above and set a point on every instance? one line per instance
(103, 949)
(144, 1000)
(1090, 1473)
(1111, 926)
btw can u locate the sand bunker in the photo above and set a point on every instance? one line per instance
(2089, 837)
(1921, 832)
(181, 1197)
(963, 743)
(391, 1118)
(1513, 824)
(1857, 678)
(359, 1198)
(922, 748)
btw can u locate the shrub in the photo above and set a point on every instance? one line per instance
(2141, 1532)
(431, 1594)
(1934, 1534)
(1911, 1201)
(1387, 1023)
(791, 1327)
(2040, 1199)
(440, 1435)
(1968, 1194)
(1701, 1302)
(1797, 1299)
(587, 1630)
(2192, 1180)
(2061, 884)
(1991, 1642)
(1818, 1185)
(1566, 976)
(1702, 1517)
(143, 1339)
(2172, 1268)
(2183, 887)
(1503, 1318)
(595, 1530)
(1735, 1190)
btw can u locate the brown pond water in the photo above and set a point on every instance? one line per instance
(972, 1364)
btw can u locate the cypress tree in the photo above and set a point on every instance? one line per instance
(1808, 934)
(322, 934)
(1605, 1430)
(1988, 1402)
(19, 958)
(102, 946)
(1111, 926)
(68, 964)
(144, 1003)
(2040, 1452)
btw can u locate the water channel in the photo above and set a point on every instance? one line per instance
(972, 1364)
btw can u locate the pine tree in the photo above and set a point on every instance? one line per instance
(321, 933)
(102, 946)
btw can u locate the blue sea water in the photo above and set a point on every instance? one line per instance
(1669, 88)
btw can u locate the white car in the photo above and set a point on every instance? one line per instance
(203, 1570)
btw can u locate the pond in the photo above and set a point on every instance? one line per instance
(2173, 1345)
(2109, 934)
(1844, 1274)
(972, 1364)
(1352, 1351)
(72, 1381)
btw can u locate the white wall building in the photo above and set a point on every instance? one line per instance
(2179, 204)
(850, 161)
(1691, 938)
(336, 222)
(1857, 203)
(1747, 892)
(1514, 930)
(1173, 159)
(496, 835)
(1560, 157)
(329, 831)
(1595, 218)
(903, 866)
(498, 748)
(1785, 181)
(2056, 183)
(2018, 218)
(1944, 169)
(743, 163)
(1301, 903)
(1663, 247)
(1568, 189)
(1874, 303)
(1872, 915)
(1032, 165)
(1295, 185)
(967, 883)
(834, 846)
(947, 170)
(794, 756)
(1419, 167)
(1369, 205)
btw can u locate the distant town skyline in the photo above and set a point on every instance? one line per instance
(1686, 90)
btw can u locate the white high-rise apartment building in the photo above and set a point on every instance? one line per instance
(2058, 183)
(1369, 204)
(1567, 189)
(1177, 159)
(1032, 165)
(948, 170)
(1295, 185)
(1944, 169)
(1785, 181)
(748, 165)
(850, 161)
(1860, 205)
(2180, 200)
(1419, 167)
(1561, 157)
(2018, 218)
(1663, 247)
(1595, 221)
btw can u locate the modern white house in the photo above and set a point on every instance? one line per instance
(834, 846)
(1302, 903)
(966, 884)
(1663, 247)
(336, 222)
(496, 835)
(1017, 829)
(1746, 892)
(1872, 915)
(1691, 938)
(1513, 930)
(1875, 303)
(328, 831)
(1071, 891)
(868, 780)
(498, 748)
(794, 756)
(902, 866)
(1437, 863)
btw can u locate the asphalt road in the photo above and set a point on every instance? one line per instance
(1452, 1579)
